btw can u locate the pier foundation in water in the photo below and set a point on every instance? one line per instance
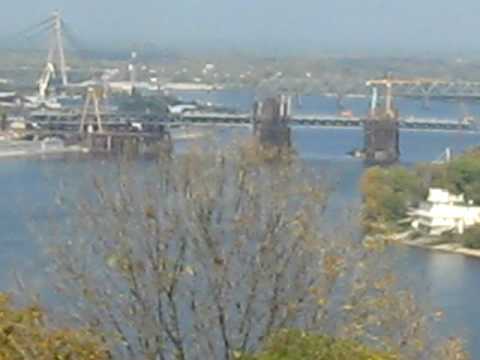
(381, 140)
(381, 127)
(270, 122)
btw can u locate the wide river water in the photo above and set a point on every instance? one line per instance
(447, 281)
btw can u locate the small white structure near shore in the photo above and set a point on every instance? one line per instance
(444, 212)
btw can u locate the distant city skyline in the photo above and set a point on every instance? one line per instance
(380, 27)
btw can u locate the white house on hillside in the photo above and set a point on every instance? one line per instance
(445, 212)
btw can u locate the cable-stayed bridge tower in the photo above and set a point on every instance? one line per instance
(56, 52)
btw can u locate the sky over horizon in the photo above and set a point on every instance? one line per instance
(265, 26)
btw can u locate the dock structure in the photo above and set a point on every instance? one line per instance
(271, 120)
(89, 130)
(128, 142)
(131, 140)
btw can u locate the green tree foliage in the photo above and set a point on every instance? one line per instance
(463, 175)
(460, 176)
(471, 237)
(24, 334)
(388, 192)
(299, 345)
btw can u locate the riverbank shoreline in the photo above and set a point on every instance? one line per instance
(448, 248)
(26, 149)
(29, 154)
(433, 244)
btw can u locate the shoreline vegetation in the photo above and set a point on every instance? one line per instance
(390, 193)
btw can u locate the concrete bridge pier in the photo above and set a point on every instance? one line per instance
(270, 122)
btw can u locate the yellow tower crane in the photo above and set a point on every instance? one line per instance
(388, 83)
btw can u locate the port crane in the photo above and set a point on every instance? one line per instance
(43, 99)
(44, 81)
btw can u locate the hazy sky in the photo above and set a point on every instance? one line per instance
(383, 26)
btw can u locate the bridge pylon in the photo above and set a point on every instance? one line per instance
(56, 51)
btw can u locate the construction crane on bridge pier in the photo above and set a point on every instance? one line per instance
(389, 82)
(429, 88)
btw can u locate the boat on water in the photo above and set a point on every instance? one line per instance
(357, 153)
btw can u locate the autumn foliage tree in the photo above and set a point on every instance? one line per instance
(25, 334)
(207, 254)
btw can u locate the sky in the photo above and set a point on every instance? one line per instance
(390, 27)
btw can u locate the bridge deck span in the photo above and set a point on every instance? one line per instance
(122, 122)
(327, 121)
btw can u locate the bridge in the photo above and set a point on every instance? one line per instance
(128, 122)
(443, 90)
(318, 120)
(434, 89)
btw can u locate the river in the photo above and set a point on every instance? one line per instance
(446, 281)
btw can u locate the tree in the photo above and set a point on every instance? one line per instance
(24, 334)
(207, 254)
(298, 345)
(463, 175)
(460, 175)
(388, 193)
(471, 237)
